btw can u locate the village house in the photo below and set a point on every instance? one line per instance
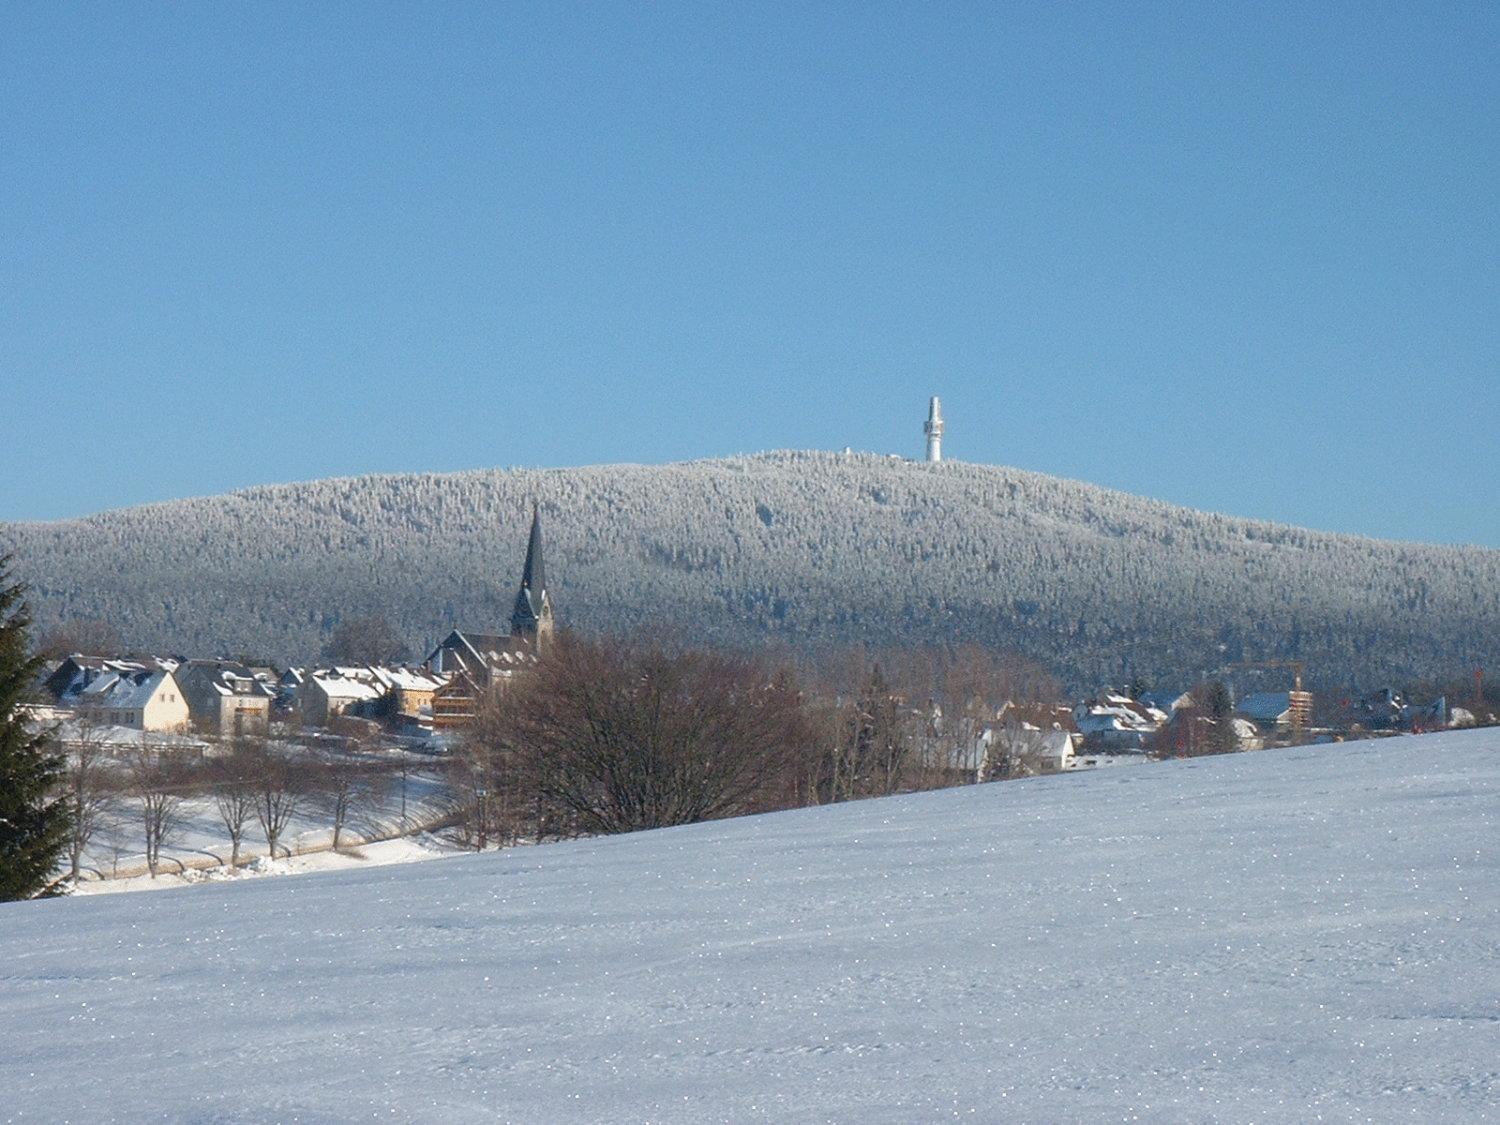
(1389, 710)
(410, 693)
(1166, 701)
(455, 704)
(456, 701)
(1115, 723)
(225, 698)
(468, 653)
(1267, 709)
(147, 700)
(1190, 732)
(329, 693)
(1023, 750)
(76, 672)
(289, 691)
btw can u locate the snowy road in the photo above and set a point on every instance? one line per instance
(1289, 935)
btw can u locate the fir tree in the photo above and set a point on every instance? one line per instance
(33, 816)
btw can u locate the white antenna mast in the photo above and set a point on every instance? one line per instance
(934, 430)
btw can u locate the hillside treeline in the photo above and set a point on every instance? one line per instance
(806, 549)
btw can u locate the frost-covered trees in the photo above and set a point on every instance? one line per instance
(804, 549)
(33, 813)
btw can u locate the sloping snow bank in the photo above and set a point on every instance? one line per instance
(1288, 935)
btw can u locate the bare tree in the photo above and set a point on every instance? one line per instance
(493, 782)
(81, 635)
(280, 785)
(234, 783)
(112, 832)
(157, 779)
(341, 785)
(365, 640)
(403, 767)
(480, 795)
(1015, 750)
(90, 789)
(622, 735)
(871, 741)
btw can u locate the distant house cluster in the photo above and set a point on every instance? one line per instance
(165, 695)
(169, 695)
(1116, 727)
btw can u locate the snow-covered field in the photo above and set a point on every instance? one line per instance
(115, 860)
(1293, 935)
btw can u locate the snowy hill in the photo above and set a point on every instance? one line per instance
(802, 547)
(1282, 936)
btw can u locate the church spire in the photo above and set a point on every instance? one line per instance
(534, 575)
(532, 616)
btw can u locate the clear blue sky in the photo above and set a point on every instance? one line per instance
(1242, 257)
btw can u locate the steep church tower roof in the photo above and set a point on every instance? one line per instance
(532, 615)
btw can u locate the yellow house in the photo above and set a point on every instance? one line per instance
(144, 701)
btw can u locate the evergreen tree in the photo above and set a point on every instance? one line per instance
(1218, 704)
(33, 815)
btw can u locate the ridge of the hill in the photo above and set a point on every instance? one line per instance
(807, 548)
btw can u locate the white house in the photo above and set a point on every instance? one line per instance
(145, 701)
(1027, 750)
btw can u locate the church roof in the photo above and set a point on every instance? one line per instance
(533, 578)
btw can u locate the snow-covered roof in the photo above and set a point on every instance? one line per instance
(350, 672)
(125, 691)
(77, 672)
(475, 653)
(1165, 701)
(410, 679)
(1244, 729)
(1266, 706)
(230, 684)
(337, 686)
(1117, 712)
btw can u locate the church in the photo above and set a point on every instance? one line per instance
(475, 663)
